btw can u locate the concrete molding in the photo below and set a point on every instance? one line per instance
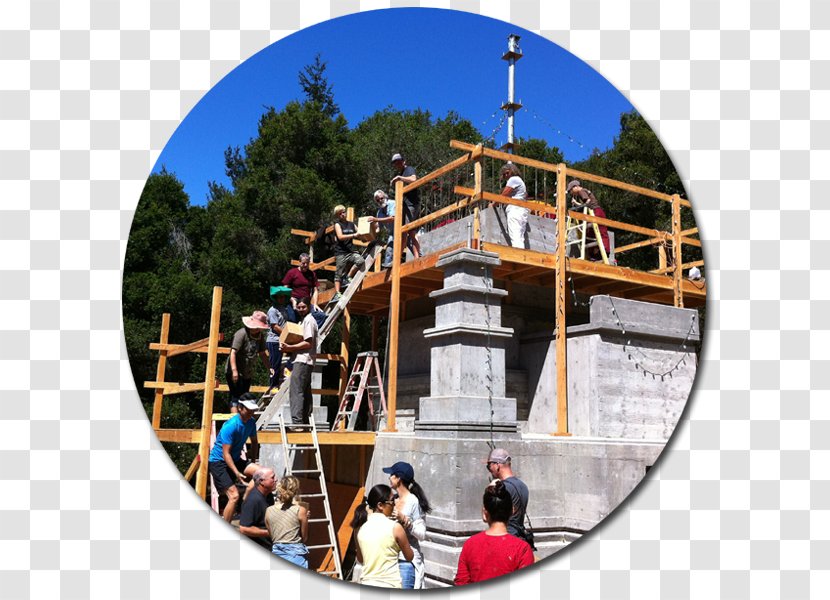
(466, 289)
(468, 329)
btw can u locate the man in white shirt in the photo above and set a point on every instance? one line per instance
(304, 354)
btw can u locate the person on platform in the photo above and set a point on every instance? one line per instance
(493, 552)
(385, 219)
(411, 200)
(305, 352)
(278, 315)
(379, 539)
(514, 187)
(584, 198)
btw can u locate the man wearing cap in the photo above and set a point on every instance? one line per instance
(385, 219)
(277, 316)
(305, 353)
(411, 200)
(252, 514)
(581, 198)
(246, 344)
(303, 282)
(225, 461)
(499, 467)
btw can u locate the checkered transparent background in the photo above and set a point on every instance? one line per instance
(738, 91)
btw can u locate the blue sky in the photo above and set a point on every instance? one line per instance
(437, 60)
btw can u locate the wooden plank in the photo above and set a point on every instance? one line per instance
(636, 189)
(521, 256)
(158, 397)
(203, 350)
(458, 205)
(498, 154)
(690, 242)
(207, 406)
(616, 224)
(560, 319)
(185, 348)
(450, 166)
(191, 471)
(325, 438)
(635, 245)
(677, 247)
(499, 199)
(171, 388)
(689, 265)
(309, 236)
(345, 337)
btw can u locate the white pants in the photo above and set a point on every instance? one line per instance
(516, 225)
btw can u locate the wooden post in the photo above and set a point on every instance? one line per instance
(394, 312)
(344, 351)
(479, 187)
(561, 326)
(677, 240)
(207, 407)
(662, 260)
(162, 365)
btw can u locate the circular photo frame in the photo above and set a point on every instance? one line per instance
(414, 298)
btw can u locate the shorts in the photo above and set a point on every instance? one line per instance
(222, 477)
(344, 263)
(410, 211)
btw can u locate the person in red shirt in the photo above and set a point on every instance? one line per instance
(493, 552)
(303, 283)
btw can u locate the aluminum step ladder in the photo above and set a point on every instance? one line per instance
(290, 453)
(272, 403)
(365, 380)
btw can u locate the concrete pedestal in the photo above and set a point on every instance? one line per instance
(467, 373)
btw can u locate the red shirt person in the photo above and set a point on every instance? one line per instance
(302, 281)
(493, 552)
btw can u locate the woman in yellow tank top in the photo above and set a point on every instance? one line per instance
(379, 539)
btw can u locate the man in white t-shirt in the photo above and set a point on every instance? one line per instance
(514, 188)
(304, 354)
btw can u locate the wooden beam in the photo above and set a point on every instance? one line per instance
(689, 265)
(167, 388)
(171, 347)
(677, 247)
(560, 319)
(450, 166)
(191, 471)
(395, 311)
(636, 189)
(325, 438)
(207, 406)
(158, 397)
(643, 244)
(498, 154)
(458, 205)
(345, 337)
(615, 224)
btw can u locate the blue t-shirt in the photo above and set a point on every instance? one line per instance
(235, 433)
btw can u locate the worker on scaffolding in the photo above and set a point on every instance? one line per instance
(225, 463)
(303, 283)
(582, 198)
(247, 343)
(385, 219)
(278, 314)
(347, 259)
(411, 200)
(514, 187)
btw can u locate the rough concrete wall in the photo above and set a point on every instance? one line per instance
(574, 484)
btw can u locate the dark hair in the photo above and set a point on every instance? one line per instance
(420, 495)
(379, 493)
(497, 502)
(304, 300)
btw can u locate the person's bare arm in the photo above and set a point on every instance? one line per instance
(234, 370)
(226, 454)
(403, 542)
(338, 231)
(303, 515)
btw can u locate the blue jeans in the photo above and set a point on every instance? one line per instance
(407, 574)
(275, 359)
(293, 553)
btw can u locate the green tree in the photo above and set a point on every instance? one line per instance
(316, 87)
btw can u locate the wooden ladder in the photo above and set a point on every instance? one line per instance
(575, 233)
(365, 379)
(290, 452)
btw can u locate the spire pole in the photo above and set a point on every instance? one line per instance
(513, 54)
